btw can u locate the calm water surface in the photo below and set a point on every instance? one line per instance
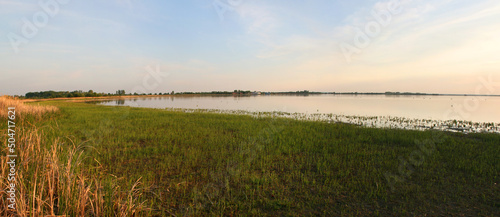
(468, 108)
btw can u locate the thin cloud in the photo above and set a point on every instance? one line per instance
(94, 25)
(258, 20)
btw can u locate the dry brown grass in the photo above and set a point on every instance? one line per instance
(52, 178)
(22, 109)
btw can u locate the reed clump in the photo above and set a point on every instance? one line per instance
(23, 110)
(52, 178)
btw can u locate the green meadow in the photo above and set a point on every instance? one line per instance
(205, 164)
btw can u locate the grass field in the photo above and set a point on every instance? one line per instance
(200, 164)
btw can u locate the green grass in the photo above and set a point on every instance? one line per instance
(217, 164)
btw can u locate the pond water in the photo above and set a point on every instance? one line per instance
(472, 113)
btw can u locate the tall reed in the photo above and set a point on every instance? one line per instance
(22, 109)
(51, 176)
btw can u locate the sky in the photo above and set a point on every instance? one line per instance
(439, 46)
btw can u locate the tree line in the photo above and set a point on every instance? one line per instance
(69, 94)
(79, 93)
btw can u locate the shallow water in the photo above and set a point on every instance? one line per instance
(453, 113)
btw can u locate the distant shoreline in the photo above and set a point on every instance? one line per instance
(93, 98)
(387, 94)
(245, 95)
(413, 94)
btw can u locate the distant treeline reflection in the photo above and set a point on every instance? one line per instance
(91, 93)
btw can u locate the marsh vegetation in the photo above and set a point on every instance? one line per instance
(160, 162)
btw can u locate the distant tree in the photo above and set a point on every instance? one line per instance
(120, 92)
(90, 93)
(77, 93)
(173, 92)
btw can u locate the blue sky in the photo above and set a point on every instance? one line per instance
(441, 46)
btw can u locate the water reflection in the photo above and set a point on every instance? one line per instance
(342, 107)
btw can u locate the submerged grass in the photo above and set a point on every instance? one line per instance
(206, 164)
